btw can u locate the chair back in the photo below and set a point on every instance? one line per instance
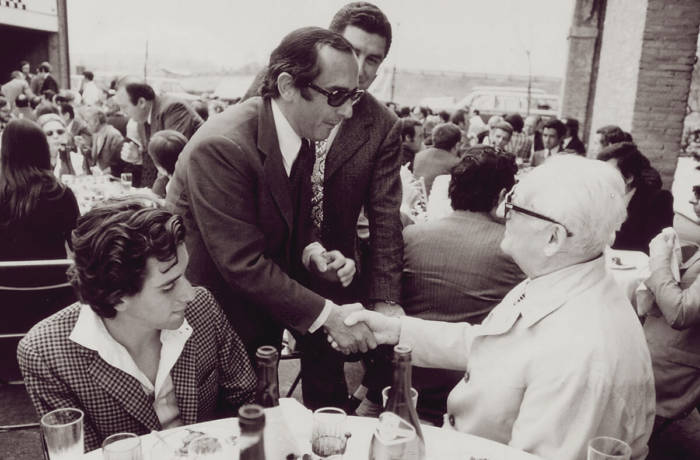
(30, 290)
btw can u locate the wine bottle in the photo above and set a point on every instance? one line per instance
(399, 403)
(251, 420)
(267, 393)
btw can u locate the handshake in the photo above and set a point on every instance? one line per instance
(351, 328)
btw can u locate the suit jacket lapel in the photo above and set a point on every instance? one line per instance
(99, 143)
(275, 175)
(126, 391)
(185, 383)
(352, 135)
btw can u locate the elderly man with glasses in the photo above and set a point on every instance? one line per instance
(246, 196)
(562, 358)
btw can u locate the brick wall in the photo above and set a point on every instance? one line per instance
(620, 54)
(663, 83)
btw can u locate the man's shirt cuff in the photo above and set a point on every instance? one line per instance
(311, 249)
(322, 317)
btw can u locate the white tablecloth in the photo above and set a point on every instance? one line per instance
(634, 269)
(443, 444)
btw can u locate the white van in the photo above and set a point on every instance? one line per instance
(500, 100)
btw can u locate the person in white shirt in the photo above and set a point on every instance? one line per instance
(142, 350)
(562, 358)
(91, 93)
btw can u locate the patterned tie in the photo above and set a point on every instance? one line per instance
(317, 184)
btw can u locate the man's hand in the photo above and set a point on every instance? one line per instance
(393, 310)
(348, 339)
(332, 266)
(386, 330)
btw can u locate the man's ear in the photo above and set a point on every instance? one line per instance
(285, 85)
(141, 102)
(557, 235)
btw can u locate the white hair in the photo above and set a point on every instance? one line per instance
(585, 195)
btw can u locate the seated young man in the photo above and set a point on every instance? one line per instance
(143, 350)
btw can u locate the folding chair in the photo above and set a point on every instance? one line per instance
(25, 300)
(289, 352)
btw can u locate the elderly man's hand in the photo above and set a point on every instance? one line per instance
(661, 247)
(386, 330)
(348, 338)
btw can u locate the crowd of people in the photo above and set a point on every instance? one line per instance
(302, 207)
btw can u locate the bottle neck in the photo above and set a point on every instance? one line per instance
(402, 376)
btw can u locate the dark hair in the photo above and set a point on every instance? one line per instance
(459, 116)
(516, 121)
(49, 94)
(408, 128)
(696, 191)
(630, 161)
(89, 75)
(610, 134)
(67, 109)
(365, 16)
(45, 67)
(556, 125)
(444, 115)
(35, 101)
(165, 147)
(45, 107)
(479, 178)
(22, 101)
(446, 136)
(297, 55)
(404, 112)
(423, 110)
(572, 125)
(26, 176)
(137, 90)
(112, 244)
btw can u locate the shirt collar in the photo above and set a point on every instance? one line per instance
(150, 113)
(90, 332)
(547, 293)
(289, 140)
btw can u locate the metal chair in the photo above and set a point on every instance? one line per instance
(31, 290)
(289, 352)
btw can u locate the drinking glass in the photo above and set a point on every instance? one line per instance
(122, 446)
(329, 436)
(127, 179)
(63, 433)
(385, 396)
(606, 448)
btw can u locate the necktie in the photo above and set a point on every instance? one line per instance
(147, 131)
(317, 184)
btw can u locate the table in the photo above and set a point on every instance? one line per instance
(441, 443)
(90, 190)
(634, 269)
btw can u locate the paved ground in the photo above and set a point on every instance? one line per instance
(681, 441)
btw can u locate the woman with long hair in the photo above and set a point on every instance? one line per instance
(37, 212)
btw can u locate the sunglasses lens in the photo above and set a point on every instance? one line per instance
(337, 98)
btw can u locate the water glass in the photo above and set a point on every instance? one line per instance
(606, 448)
(63, 433)
(329, 435)
(127, 179)
(385, 396)
(122, 446)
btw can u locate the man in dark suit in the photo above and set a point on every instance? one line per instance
(154, 113)
(571, 140)
(105, 145)
(144, 350)
(450, 277)
(356, 169)
(246, 195)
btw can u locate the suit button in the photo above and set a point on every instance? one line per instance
(451, 419)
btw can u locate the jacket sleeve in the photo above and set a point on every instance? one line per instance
(181, 118)
(48, 392)
(222, 189)
(384, 202)
(680, 307)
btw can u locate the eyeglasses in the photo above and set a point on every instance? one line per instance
(59, 131)
(509, 206)
(338, 97)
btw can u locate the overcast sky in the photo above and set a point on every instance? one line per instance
(489, 36)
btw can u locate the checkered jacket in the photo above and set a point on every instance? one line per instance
(212, 377)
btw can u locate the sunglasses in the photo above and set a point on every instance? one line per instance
(509, 206)
(50, 133)
(338, 97)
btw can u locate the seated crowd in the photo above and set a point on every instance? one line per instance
(303, 207)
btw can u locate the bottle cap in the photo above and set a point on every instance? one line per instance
(251, 417)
